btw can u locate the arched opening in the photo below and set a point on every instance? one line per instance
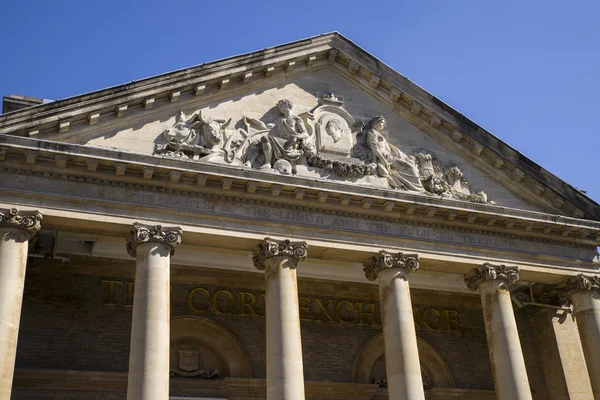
(369, 366)
(203, 349)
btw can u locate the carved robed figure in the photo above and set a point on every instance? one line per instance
(327, 142)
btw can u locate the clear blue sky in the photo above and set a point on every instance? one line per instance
(527, 71)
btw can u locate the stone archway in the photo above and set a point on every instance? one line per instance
(204, 349)
(370, 363)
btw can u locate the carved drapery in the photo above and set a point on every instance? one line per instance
(28, 222)
(270, 248)
(489, 272)
(140, 234)
(384, 260)
(327, 141)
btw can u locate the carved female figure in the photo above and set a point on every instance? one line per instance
(390, 162)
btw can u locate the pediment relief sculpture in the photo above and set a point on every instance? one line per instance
(325, 142)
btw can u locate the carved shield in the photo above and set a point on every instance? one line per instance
(188, 360)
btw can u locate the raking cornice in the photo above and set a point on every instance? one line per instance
(221, 78)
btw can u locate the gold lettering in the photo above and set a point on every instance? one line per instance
(323, 309)
(306, 309)
(417, 317)
(452, 317)
(244, 304)
(130, 287)
(338, 308)
(435, 321)
(215, 302)
(191, 298)
(111, 292)
(362, 314)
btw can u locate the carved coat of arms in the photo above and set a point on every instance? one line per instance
(189, 365)
(188, 360)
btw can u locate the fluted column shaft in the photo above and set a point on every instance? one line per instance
(403, 368)
(16, 228)
(152, 247)
(508, 364)
(285, 372)
(584, 292)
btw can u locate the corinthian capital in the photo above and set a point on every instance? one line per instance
(140, 234)
(490, 272)
(270, 248)
(385, 260)
(25, 221)
(579, 283)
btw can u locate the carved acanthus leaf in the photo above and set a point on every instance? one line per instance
(270, 248)
(25, 221)
(490, 272)
(141, 234)
(385, 260)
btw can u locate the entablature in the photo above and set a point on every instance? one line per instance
(148, 174)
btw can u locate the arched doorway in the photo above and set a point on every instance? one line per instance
(369, 366)
(203, 349)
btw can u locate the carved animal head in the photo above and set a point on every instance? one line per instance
(182, 130)
(454, 173)
(212, 131)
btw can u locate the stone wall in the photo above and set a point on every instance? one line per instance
(73, 321)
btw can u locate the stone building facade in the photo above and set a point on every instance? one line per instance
(297, 222)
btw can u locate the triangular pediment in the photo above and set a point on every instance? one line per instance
(336, 89)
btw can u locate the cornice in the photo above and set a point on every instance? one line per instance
(224, 77)
(188, 178)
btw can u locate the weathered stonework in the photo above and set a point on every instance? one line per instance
(314, 141)
(28, 222)
(334, 142)
(490, 272)
(384, 260)
(270, 248)
(579, 283)
(141, 234)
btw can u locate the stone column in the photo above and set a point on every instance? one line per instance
(152, 246)
(508, 364)
(584, 293)
(403, 368)
(285, 373)
(16, 228)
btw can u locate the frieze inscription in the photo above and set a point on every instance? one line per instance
(350, 224)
